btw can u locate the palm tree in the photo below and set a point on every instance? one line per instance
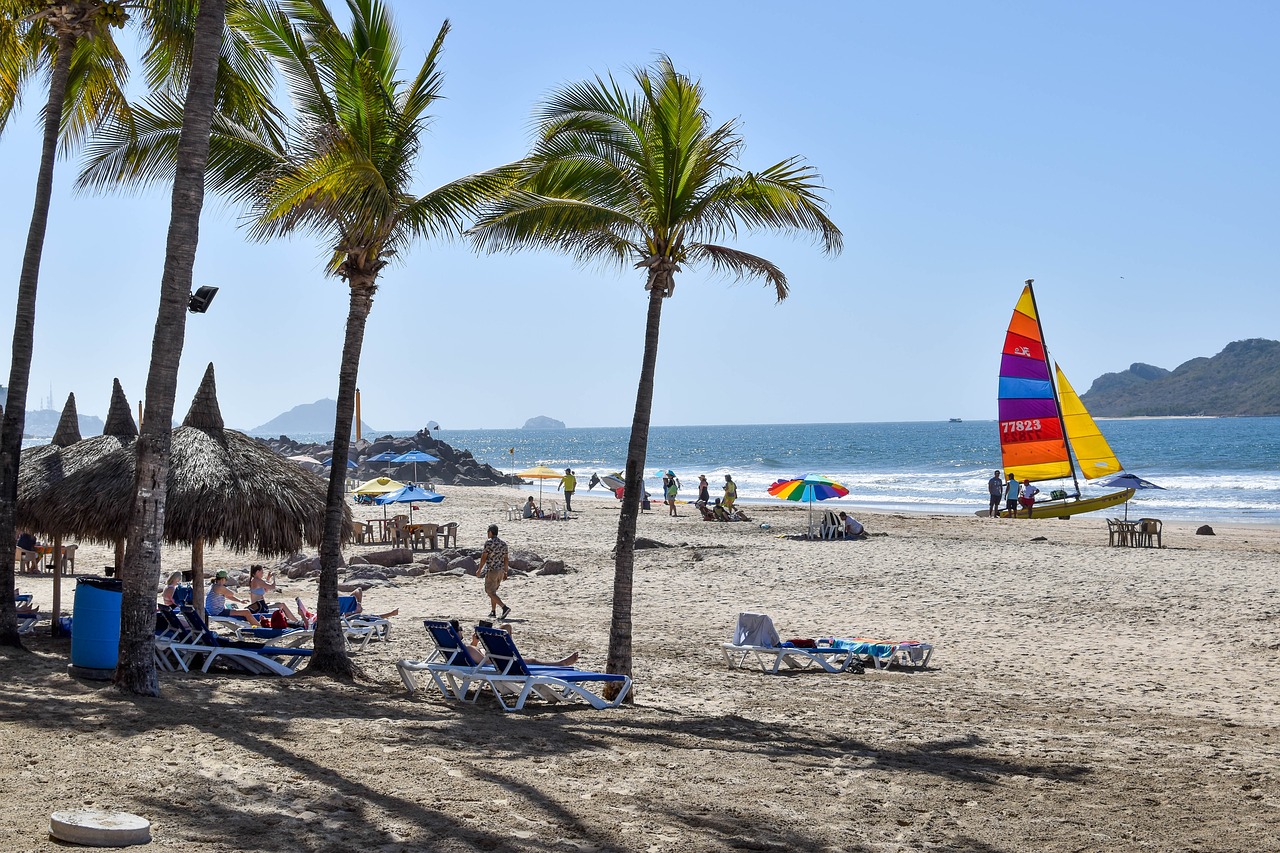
(71, 39)
(342, 170)
(136, 669)
(645, 178)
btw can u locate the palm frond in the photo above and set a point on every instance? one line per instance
(740, 265)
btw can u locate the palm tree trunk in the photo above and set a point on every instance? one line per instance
(330, 657)
(15, 410)
(625, 548)
(136, 670)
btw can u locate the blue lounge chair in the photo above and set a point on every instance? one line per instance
(449, 664)
(512, 679)
(250, 657)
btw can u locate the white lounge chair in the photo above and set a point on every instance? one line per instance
(449, 664)
(756, 640)
(885, 653)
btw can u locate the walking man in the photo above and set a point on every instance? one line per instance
(569, 482)
(1011, 496)
(493, 568)
(995, 490)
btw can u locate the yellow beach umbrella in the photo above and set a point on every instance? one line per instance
(379, 486)
(540, 473)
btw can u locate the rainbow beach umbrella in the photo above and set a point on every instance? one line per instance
(810, 487)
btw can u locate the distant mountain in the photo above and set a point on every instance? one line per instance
(307, 418)
(43, 423)
(1241, 381)
(543, 422)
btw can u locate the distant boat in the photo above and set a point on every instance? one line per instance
(956, 421)
(1045, 429)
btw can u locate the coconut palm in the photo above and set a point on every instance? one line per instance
(136, 670)
(343, 171)
(645, 178)
(71, 40)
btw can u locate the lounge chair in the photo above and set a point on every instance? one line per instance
(361, 628)
(885, 653)
(27, 619)
(830, 528)
(449, 664)
(755, 639)
(513, 681)
(251, 657)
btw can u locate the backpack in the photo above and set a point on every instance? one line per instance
(278, 620)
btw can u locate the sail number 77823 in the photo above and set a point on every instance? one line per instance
(1030, 429)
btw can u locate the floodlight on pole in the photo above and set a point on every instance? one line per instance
(201, 298)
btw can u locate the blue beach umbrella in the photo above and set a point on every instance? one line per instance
(328, 462)
(1130, 481)
(414, 456)
(409, 494)
(384, 456)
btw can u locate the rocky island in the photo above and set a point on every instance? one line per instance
(543, 422)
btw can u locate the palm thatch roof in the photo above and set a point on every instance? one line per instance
(223, 485)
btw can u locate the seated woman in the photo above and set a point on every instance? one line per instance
(170, 587)
(476, 656)
(215, 601)
(258, 589)
(721, 512)
(530, 511)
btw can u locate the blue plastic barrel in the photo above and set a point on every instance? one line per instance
(95, 642)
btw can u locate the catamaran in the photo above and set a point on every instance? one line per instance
(1045, 429)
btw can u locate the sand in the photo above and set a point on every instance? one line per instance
(1080, 698)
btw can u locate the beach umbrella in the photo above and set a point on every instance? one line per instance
(384, 456)
(329, 462)
(303, 459)
(408, 495)
(540, 473)
(379, 486)
(810, 487)
(415, 456)
(1130, 481)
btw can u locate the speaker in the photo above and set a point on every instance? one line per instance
(201, 298)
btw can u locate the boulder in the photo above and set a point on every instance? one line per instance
(467, 564)
(366, 574)
(437, 564)
(357, 560)
(304, 568)
(390, 557)
(1205, 530)
(553, 567)
(524, 560)
(642, 542)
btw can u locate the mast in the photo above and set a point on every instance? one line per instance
(1053, 386)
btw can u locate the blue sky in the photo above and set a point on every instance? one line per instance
(1123, 155)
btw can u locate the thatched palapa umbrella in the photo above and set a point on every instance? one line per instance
(223, 486)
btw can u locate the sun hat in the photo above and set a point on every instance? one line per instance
(221, 574)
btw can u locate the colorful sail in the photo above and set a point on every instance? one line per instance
(1031, 441)
(1093, 454)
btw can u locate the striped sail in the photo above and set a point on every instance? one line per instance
(1031, 441)
(1093, 454)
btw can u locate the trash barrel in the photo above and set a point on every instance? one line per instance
(95, 642)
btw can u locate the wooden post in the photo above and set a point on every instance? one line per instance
(197, 576)
(357, 414)
(54, 629)
(119, 556)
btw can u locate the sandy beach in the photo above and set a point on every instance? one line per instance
(1080, 698)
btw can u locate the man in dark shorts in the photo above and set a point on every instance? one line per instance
(995, 489)
(1011, 496)
(493, 568)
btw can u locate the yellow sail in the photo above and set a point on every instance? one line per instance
(1092, 452)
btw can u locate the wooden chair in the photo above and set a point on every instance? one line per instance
(67, 563)
(1149, 531)
(449, 532)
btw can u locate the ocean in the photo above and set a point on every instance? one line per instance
(1212, 469)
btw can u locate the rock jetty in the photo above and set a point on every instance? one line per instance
(455, 468)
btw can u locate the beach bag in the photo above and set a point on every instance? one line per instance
(278, 620)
